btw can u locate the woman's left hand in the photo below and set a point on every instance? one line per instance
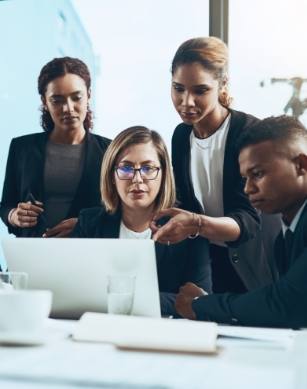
(179, 227)
(62, 230)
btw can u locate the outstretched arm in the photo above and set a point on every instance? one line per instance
(183, 224)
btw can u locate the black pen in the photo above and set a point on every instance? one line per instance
(33, 202)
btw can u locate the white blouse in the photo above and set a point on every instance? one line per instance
(125, 233)
(206, 170)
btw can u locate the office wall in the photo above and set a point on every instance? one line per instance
(32, 33)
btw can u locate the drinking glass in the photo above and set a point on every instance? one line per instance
(120, 294)
(13, 280)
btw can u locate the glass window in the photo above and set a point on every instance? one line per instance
(136, 41)
(267, 39)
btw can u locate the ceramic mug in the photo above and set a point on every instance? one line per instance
(24, 310)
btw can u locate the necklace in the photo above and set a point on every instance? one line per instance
(137, 232)
(209, 145)
(132, 234)
(211, 135)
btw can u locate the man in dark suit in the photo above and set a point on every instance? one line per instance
(273, 159)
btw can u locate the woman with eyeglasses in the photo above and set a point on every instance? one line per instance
(137, 182)
(60, 167)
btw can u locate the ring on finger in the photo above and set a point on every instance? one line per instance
(168, 242)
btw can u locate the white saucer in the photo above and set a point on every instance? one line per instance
(22, 338)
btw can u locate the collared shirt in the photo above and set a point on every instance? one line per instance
(293, 225)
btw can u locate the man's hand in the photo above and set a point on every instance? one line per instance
(62, 230)
(179, 227)
(186, 295)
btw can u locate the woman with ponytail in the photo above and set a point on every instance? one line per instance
(209, 185)
(59, 167)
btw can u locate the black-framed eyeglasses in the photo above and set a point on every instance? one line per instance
(146, 172)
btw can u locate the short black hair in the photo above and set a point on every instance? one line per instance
(284, 128)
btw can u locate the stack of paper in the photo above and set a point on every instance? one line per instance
(270, 336)
(134, 332)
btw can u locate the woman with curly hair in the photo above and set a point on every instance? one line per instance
(60, 167)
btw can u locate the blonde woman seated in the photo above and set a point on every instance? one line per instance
(137, 182)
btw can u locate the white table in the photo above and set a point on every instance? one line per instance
(63, 363)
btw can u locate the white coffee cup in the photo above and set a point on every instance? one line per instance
(24, 310)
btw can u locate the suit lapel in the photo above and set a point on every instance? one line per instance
(301, 217)
(110, 226)
(185, 152)
(35, 165)
(296, 236)
(160, 249)
(230, 160)
(279, 253)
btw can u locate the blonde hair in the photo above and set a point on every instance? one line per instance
(129, 137)
(212, 54)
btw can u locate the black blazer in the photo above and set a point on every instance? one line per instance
(177, 264)
(252, 254)
(281, 304)
(25, 174)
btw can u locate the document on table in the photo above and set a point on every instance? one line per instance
(256, 333)
(146, 333)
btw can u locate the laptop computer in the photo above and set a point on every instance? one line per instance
(76, 271)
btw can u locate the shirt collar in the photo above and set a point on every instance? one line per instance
(293, 225)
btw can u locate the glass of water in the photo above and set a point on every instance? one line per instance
(13, 280)
(120, 294)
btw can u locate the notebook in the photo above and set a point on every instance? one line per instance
(144, 333)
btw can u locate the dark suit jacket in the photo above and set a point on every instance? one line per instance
(176, 264)
(281, 304)
(252, 254)
(25, 174)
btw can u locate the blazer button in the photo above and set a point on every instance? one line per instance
(235, 258)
